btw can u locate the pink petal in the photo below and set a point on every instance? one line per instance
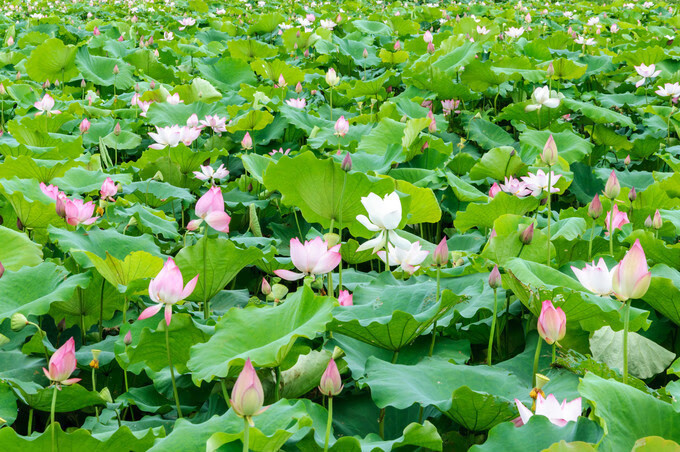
(150, 312)
(219, 221)
(289, 275)
(189, 288)
(168, 314)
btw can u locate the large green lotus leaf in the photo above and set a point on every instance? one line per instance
(574, 446)
(26, 167)
(477, 397)
(253, 120)
(663, 293)
(69, 398)
(150, 349)
(498, 163)
(538, 119)
(35, 209)
(52, 60)
(463, 190)
(82, 180)
(302, 315)
(99, 70)
(163, 114)
(483, 216)
(570, 146)
(424, 207)
(372, 28)
(23, 251)
(136, 265)
(597, 114)
(315, 187)
(79, 440)
(538, 434)
(148, 220)
(391, 314)
(100, 242)
(488, 135)
(532, 283)
(216, 263)
(628, 414)
(227, 74)
(266, 23)
(655, 444)
(507, 245)
(249, 49)
(123, 140)
(184, 157)
(155, 193)
(646, 358)
(278, 422)
(8, 404)
(20, 293)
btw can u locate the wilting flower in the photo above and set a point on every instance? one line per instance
(552, 323)
(62, 364)
(543, 97)
(513, 32)
(50, 190)
(408, 259)
(45, 105)
(297, 103)
(311, 258)
(619, 219)
(595, 278)
(166, 290)
(216, 123)
(345, 298)
(631, 277)
(247, 396)
(210, 208)
(384, 215)
(77, 212)
(669, 90)
(166, 136)
(341, 126)
(109, 189)
(538, 183)
(331, 383)
(558, 414)
(646, 72)
(208, 173)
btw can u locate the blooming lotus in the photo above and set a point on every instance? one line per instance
(619, 219)
(311, 258)
(631, 277)
(384, 215)
(585, 41)
(174, 99)
(595, 278)
(208, 173)
(427, 37)
(50, 190)
(216, 123)
(558, 414)
(186, 22)
(166, 136)
(646, 72)
(109, 189)
(513, 32)
(345, 298)
(450, 106)
(328, 24)
(515, 187)
(552, 323)
(188, 135)
(669, 90)
(538, 183)
(166, 290)
(45, 105)
(408, 259)
(297, 103)
(144, 106)
(62, 364)
(482, 30)
(543, 97)
(247, 396)
(210, 208)
(78, 212)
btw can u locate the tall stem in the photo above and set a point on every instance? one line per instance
(52, 410)
(331, 101)
(489, 352)
(381, 419)
(329, 423)
(434, 326)
(342, 195)
(246, 434)
(626, 324)
(554, 347)
(590, 242)
(549, 211)
(30, 422)
(94, 389)
(536, 356)
(172, 370)
(612, 230)
(206, 302)
(224, 392)
(277, 383)
(101, 311)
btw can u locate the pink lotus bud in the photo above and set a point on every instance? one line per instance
(347, 163)
(331, 383)
(121, 38)
(150, 41)
(10, 41)
(297, 35)
(2, 269)
(632, 194)
(298, 88)
(397, 46)
(83, 83)
(648, 222)
(152, 85)
(595, 208)
(550, 71)
(527, 235)
(266, 288)
(495, 278)
(549, 155)
(116, 129)
(96, 31)
(46, 84)
(612, 188)
(427, 37)
(108, 189)
(282, 81)
(116, 71)
(657, 222)
(626, 161)
(247, 396)
(365, 53)
(84, 126)
(332, 78)
(62, 364)
(341, 126)
(61, 204)
(441, 253)
(430, 48)
(127, 340)
(492, 234)
(247, 142)
(134, 19)
(306, 53)
(345, 298)
(3, 91)
(18, 77)
(631, 277)
(493, 191)
(552, 323)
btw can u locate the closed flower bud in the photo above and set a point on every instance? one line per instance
(247, 396)
(648, 221)
(657, 222)
(595, 208)
(266, 288)
(347, 163)
(550, 71)
(2, 269)
(247, 142)
(493, 191)
(3, 91)
(495, 278)
(612, 188)
(527, 235)
(116, 130)
(84, 126)
(441, 253)
(331, 383)
(127, 340)
(332, 78)
(365, 53)
(549, 154)
(116, 71)
(18, 321)
(552, 323)
(298, 88)
(626, 161)
(632, 194)
(631, 277)
(345, 298)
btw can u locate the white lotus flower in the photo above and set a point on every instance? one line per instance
(595, 278)
(408, 259)
(543, 97)
(538, 183)
(515, 32)
(384, 215)
(166, 136)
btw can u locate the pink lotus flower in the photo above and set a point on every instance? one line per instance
(96, 31)
(84, 126)
(60, 207)
(210, 208)
(174, 99)
(669, 90)
(631, 277)
(408, 259)
(166, 290)
(266, 287)
(208, 173)
(193, 121)
(345, 298)
(515, 187)
(144, 106)
(427, 37)
(595, 278)
(166, 136)
(538, 183)
(45, 105)
(297, 103)
(313, 258)
(341, 126)
(552, 323)
(62, 364)
(77, 212)
(188, 135)
(279, 151)
(50, 190)
(558, 414)
(450, 106)
(493, 191)
(331, 383)
(247, 396)
(216, 123)
(186, 22)
(620, 218)
(109, 189)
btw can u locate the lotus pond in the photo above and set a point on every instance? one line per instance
(347, 226)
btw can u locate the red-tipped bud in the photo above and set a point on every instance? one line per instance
(247, 396)
(595, 208)
(266, 288)
(552, 323)
(441, 253)
(626, 161)
(127, 340)
(347, 163)
(247, 142)
(331, 383)
(632, 194)
(549, 154)
(116, 129)
(527, 235)
(116, 71)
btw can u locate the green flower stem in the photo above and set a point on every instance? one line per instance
(536, 356)
(549, 211)
(30, 422)
(246, 434)
(434, 326)
(224, 392)
(94, 389)
(342, 195)
(172, 370)
(612, 231)
(626, 324)
(489, 352)
(554, 347)
(387, 257)
(331, 102)
(206, 302)
(329, 423)
(590, 242)
(52, 410)
(277, 383)
(101, 311)
(381, 418)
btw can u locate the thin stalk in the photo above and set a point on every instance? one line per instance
(329, 423)
(381, 419)
(331, 101)
(172, 370)
(554, 347)
(30, 422)
(549, 211)
(101, 311)
(224, 392)
(298, 224)
(611, 237)
(434, 326)
(52, 410)
(94, 389)
(590, 242)
(387, 257)
(489, 352)
(342, 195)
(277, 380)
(626, 324)
(206, 302)
(246, 434)
(536, 356)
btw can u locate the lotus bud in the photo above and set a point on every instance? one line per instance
(595, 208)
(341, 126)
(265, 288)
(96, 31)
(441, 253)
(47, 84)
(549, 155)
(247, 396)
(550, 71)
(18, 321)
(612, 188)
(306, 53)
(427, 37)
(626, 161)
(345, 298)
(332, 78)
(152, 85)
(3, 340)
(648, 221)
(397, 46)
(494, 190)
(298, 88)
(116, 129)
(3, 91)
(136, 89)
(18, 77)
(347, 163)
(282, 81)
(116, 71)
(10, 41)
(631, 277)
(84, 126)
(495, 278)
(657, 222)
(552, 323)
(331, 383)
(527, 235)
(430, 48)
(127, 340)
(2, 269)
(365, 53)
(247, 142)
(632, 194)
